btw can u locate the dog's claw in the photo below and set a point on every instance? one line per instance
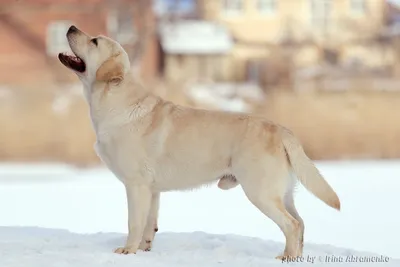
(124, 251)
(146, 245)
(280, 257)
(287, 258)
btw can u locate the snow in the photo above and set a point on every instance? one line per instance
(195, 37)
(42, 247)
(226, 96)
(55, 215)
(65, 97)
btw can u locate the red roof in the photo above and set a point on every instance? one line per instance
(62, 2)
(41, 2)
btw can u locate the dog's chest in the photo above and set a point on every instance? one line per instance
(104, 150)
(124, 157)
(106, 153)
(113, 156)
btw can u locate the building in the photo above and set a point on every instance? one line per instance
(33, 33)
(271, 21)
(195, 50)
(342, 31)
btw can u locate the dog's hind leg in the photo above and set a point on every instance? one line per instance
(265, 186)
(275, 209)
(291, 208)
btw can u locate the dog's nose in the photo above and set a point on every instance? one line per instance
(72, 29)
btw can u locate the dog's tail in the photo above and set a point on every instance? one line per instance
(306, 172)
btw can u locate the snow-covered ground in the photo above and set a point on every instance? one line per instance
(52, 215)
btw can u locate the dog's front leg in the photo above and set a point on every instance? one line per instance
(139, 201)
(152, 226)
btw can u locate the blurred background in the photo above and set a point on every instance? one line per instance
(327, 69)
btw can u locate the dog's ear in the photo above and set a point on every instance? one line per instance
(111, 71)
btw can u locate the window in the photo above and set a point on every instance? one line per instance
(120, 26)
(56, 40)
(321, 9)
(232, 6)
(266, 6)
(320, 12)
(254, 71)
(358, 6)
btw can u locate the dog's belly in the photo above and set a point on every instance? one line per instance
(178, 176)
(135, 163)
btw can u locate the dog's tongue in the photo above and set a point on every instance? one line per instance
(70, 56)
(72, 61)
(67, 54)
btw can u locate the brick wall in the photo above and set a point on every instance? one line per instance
(23, 50)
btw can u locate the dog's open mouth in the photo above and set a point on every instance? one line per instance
(72, 62)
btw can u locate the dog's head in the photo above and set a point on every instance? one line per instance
(98, 58)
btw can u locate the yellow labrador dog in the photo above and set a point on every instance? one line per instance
(154, 146)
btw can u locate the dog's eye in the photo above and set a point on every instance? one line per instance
(94, 40)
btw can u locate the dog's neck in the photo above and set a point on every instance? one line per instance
(113, 104)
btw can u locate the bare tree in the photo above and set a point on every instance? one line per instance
(138, 20)
(133, 24)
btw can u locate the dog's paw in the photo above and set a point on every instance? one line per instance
(287, 258)
(125, 250)
(145, 245)
(281, 257)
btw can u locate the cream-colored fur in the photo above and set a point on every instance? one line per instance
(154, 146)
